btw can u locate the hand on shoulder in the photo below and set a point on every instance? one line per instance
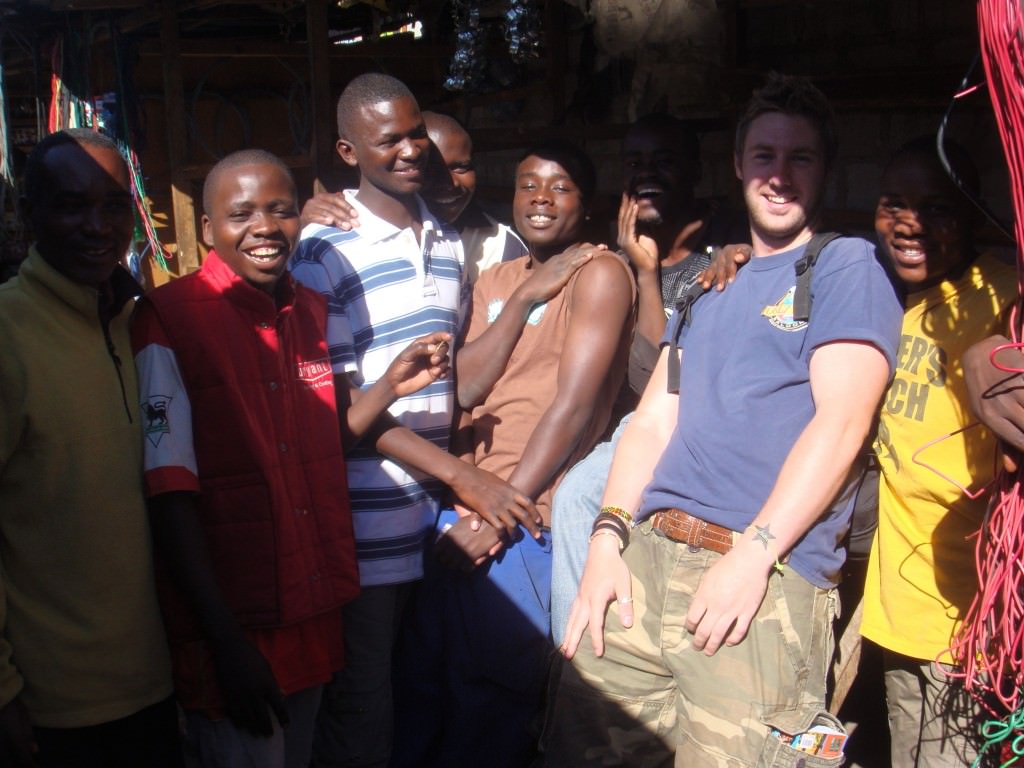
(331, 209)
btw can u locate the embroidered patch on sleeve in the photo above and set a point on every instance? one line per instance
(155, 411)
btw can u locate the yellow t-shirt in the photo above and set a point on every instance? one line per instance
(921, 574)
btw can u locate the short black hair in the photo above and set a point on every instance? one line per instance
(927, 146)
(571, 157)
(444, 120)
(685, 136)
(236, 160)
(790, 95)
(33, 178)
(365, 90)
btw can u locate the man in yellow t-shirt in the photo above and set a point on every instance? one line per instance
(921, 575)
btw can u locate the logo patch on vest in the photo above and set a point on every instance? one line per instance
(534, 318)
(780, 314)
(314, 373)
(155, 411)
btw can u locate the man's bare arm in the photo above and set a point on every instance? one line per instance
(600, 310)
(492, 498)
(601, 305)
(424, 361)
(250, 690)
(606, 577)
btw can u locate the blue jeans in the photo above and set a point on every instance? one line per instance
(472, 663)
(574, 508)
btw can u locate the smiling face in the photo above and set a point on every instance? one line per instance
(922, 221)
(451, 178)
(548, 208)
(388, 142)
(782, 167)
(657, 174)
(82, 216)
(253, 222)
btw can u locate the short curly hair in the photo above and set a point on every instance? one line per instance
(573, 159)
(366, 90)
(236, 160)
(790, 95)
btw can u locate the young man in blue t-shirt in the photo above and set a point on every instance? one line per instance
(741, 482)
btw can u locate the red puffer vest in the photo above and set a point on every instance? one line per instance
(273, 496)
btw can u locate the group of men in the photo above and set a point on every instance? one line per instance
(285, 444)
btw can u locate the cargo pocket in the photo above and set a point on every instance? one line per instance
(802, 739)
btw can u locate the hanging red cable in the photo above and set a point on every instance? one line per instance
(990, 644)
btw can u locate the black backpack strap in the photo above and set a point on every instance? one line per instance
(684, 307)
(804, 267)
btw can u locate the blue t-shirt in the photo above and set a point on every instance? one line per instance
(745, 392)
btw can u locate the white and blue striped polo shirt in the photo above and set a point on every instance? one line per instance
(384, 289)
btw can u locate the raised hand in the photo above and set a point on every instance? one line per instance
(421, 363)
(641, 250)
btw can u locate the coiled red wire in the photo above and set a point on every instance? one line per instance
(989, 646)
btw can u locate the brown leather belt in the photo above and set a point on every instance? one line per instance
(686, 529)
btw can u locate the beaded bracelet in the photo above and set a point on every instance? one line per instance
(618, 512)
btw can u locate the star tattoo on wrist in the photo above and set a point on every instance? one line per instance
(763, 534)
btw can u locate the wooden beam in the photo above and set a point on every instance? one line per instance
(368, 49)
(151, 15)
(320, 96)
(92, 5)
(177, 145)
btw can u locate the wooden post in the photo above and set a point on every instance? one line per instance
(174, 116)
(847, 660)
(324, 130)
(554, 51)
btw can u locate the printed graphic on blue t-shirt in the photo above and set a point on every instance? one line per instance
(744, 394)
(780, 314)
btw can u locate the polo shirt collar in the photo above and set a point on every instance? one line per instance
(374, 229)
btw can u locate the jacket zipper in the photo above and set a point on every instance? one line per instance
(112, 351)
